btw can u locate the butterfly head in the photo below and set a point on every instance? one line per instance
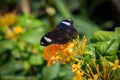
(66, 22)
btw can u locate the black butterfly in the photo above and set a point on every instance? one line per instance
(63, 32)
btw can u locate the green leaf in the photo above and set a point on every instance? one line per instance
(33, 36)
(28, 21)
(16, 53)
(117, 32)
(24, 55)
(106, 35)
(15, 78)
(117, 74)
(65, 72)
(36, 59)
(62, 7)
(85, 27)
(107, 49)
(6, 45)
(50, 73)
(11, 67)
(103, 36)
(90, 49)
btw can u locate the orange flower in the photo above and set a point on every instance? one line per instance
(60, 52)
(50, 53)
(64, 53)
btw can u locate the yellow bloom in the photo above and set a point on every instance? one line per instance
(8, 19)
(80, 45)
(12, 33)
(95, 77)
(69, 47)
(76, 67)
(115, 65)
(79, 75)
(8, 33)
(17, 29)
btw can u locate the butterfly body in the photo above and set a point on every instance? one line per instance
(63, 32)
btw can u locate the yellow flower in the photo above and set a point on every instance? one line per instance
(69, 47)
(76, 67)
(95, 77)
(79, 75)
(17, 29)
(80, 45)
(115, 65)
(12, 33)
(8, 33)
(8, 19)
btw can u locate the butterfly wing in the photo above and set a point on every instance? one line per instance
(62, 34)
(66, 26)
(47, 39)
(54, 37)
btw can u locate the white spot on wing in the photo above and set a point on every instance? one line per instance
(66, 23)
(47, 39)
(69, 19)
(42, 43)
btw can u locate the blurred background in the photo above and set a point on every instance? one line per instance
(24, 22)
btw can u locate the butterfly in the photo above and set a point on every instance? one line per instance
(63, 32)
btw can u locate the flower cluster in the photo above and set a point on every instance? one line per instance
(72, 53)
(7, 22)
(79, 73)
(8, 19)
(108, 70)
(64, 53)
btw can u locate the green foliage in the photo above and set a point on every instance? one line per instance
(52, 72)
(36, 60)
(83, 25)
(6, 45)
(104, 44)
(23, 57)
(18, 56)
(11, 67)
